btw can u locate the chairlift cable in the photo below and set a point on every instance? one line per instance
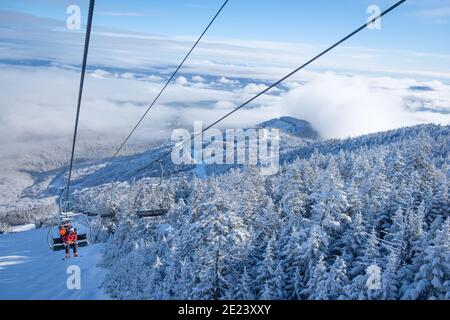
(279, 81)
(80, 91)
(166, 85)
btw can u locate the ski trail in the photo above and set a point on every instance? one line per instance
(30, 270)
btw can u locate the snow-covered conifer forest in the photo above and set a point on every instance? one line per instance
(336, 211)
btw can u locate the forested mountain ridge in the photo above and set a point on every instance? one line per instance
(36, 202)
(316, 230)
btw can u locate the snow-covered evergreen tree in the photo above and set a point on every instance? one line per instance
(336, 282)
(433, 279)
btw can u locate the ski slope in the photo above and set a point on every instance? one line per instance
(29, 270)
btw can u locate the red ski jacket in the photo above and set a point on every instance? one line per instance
(70, 237)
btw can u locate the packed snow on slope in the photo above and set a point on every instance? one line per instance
(23, 228)
(30, 270)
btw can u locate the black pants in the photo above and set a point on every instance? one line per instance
(74, 246)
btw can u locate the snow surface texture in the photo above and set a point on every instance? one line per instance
(30, 270)
(23, 228)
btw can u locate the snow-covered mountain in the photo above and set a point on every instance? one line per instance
(43, 172)
(292, 126)
(362, 218)
(337, 214)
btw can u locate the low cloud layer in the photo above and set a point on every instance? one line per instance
(126, 71)
(343, 106)
(42, 107)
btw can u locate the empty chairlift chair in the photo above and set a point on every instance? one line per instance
(152, 199)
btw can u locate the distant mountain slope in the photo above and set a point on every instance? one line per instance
(298, 140)
(295, 134)
(293, 126)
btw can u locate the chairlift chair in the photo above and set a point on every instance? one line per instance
(110, 214)
(156, 209)
(75, 219)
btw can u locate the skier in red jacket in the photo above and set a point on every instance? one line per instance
(70, 238)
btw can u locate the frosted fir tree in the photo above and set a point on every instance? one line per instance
(293, 197)
(433, 279)
(336, 281)
(355, 244)
(362, 263)
(440, 202)
(120, 243)
(294, 203)
(418, 222)
(390, 280)
(407, 244)
(420, 188)
(202, 194)
(329, 202)
(278, 283)
(416, 235)
(171, 276)
(396, 230)
(372, 251)
(265, 278)
(402, 194)
(395, 163)
(291, 259)
(253, 197)
(378, 189)
(355, 200)
(158, 256)
(243, 290)
(315, 247)
(315, 288)
(267, 291)
(222, 237)
(360, 167)
(298, 285)
(182, 288)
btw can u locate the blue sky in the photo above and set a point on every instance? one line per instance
(419, 25)
(371, 81)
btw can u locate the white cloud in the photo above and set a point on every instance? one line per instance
(198, 79)
(226, 81)
(253, 88)
(338, 106)
(152, 78)
(127, 75)
(182, 81)
(224, 105)
(38, 102)
(100, 74)
(343, 106)
(258, 60)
